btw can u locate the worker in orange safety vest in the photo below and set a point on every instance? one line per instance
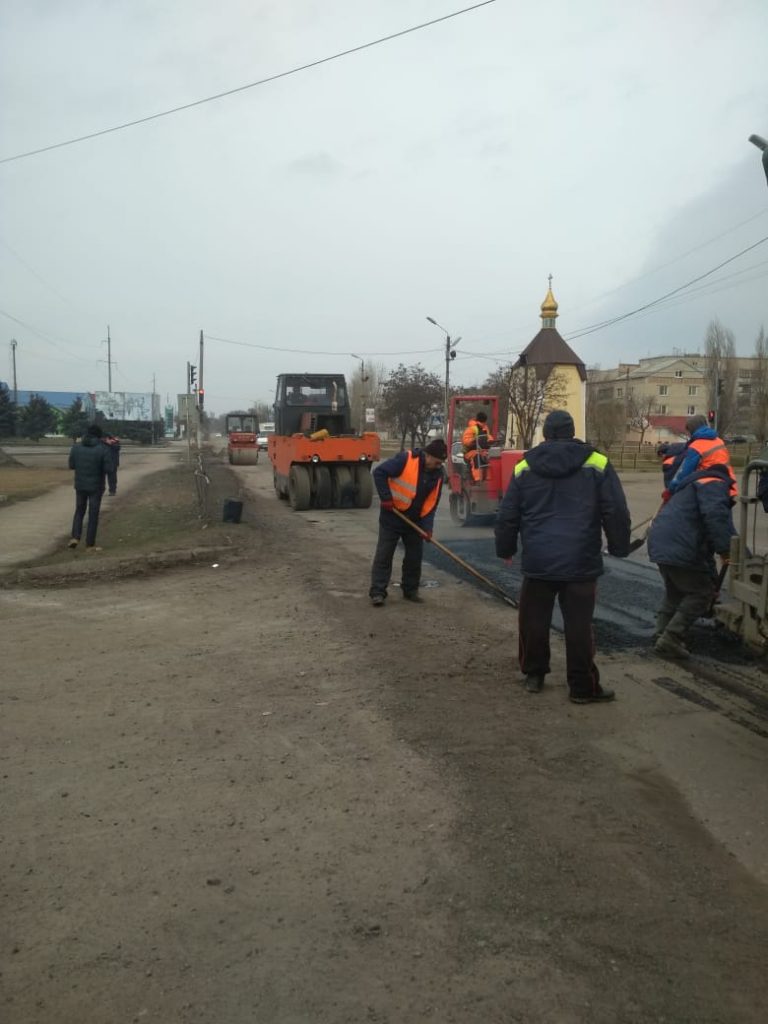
(704, 450)
(475, 441)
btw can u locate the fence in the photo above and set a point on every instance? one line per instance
(644, 457)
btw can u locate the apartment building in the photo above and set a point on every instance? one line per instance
(658, 394)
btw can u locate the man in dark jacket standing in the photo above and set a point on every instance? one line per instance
(690, 528)
(562, 496)
(411, 483)
(91, 461)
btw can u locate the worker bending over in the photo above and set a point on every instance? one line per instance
(410, 483)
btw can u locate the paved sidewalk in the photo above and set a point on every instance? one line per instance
(31, 529)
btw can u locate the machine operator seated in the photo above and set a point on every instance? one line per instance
(476, 440)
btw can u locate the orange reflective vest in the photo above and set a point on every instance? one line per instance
(473, 431)
(715, 453)
(403, 488)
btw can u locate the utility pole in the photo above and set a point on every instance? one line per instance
(109, 361)
(450, 353)
(152, 410)
(363, 382)
(13, 358)
(200, 394)
(186, 410)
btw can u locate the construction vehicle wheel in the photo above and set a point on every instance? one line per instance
(323, 490)
(461, 509)
(343, 487)
(278, 489)
(363, 486)
(299, 489)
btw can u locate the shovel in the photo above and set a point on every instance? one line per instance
(459, 561)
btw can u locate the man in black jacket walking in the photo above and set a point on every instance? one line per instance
(562, 496)
(91, 461)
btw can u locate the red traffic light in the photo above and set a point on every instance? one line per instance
(711, 415)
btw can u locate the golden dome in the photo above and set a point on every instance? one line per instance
(549, 305)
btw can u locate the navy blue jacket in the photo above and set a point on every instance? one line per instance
(91, 462)
(427, 480)
(695, 523)
(562, 496)
(674, 451)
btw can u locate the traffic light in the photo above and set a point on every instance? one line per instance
(711, 417)
(192, 375)
(720, 385)
(200, 398)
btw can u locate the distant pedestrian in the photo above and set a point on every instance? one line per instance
(112, 444)
(562, 495)
(409, 482)
(91, 462)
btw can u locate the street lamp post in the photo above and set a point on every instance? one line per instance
(760, 142)
(450, 353)
(363, 382)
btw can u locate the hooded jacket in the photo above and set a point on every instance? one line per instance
(562, 496)
(90, 461)
(704, 450)
(695, 523)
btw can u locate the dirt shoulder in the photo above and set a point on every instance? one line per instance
(238, 793)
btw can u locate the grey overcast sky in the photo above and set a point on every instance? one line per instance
(443, 174)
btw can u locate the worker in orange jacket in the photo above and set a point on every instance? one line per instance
(703, 451)
(476, 440)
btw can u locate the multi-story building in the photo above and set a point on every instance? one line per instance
(655, 396)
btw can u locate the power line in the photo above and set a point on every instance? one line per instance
(317, 352)
(669, 263)
(250, 85)
(591, 328)
(44, 337)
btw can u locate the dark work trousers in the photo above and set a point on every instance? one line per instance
(391, 530)
(689, 593)
(90, 500)
(577, 603)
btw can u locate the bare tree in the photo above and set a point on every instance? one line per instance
(722, 366)
(365, 386)
(640, 408)
(531, 391)
(606, 421)
(759, 390)
(409, 397)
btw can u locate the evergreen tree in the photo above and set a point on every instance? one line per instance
(74, 421)
(8, 412)
(37, 418)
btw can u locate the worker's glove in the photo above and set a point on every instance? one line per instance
(387, 504)
(427, 536)
(725, 558)
(666, 495)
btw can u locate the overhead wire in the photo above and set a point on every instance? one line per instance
(249, 85)
(601, 325)
(43, 336)
(314, 351)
